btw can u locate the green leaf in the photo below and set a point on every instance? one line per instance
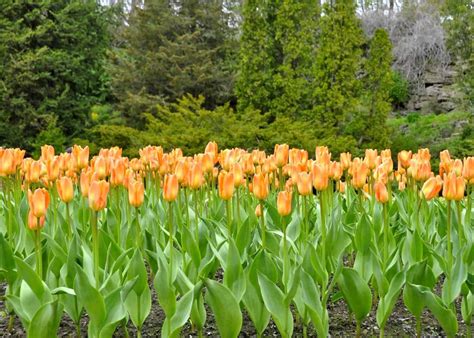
(225, 307)
(356, 292)
(387, 302)
(32, 279)
(165, 292)
(255, 306)
(318, 314)
(274, 300)
(183, 311)
(234, 277)
(45, 322)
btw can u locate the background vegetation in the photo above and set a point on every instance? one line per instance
(244, 73)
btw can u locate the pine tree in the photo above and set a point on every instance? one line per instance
(336, 67)
(52, 68)
(171, 48)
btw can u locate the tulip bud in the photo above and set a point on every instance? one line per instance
(404, 158)
(100, 167)
(359, 172)
(284, 203)
(136, 193)
(371, 158)
(468, 169)
(196, 176)
(81, 156)
(260, 186)
(212, 149)
(85, 181)
(170, 188)
(238, 173)
(381, 193)
(65, 189)
(98, 191)
(7, 162)
(258, 210)
(39, 202)
(281, 154)
(47, 153)
(226, 185)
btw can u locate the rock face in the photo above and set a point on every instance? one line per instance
(438, 94)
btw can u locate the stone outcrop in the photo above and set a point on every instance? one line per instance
(439, 93)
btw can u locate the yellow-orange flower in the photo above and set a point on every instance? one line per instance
(35, 223)
(47, 153)
(284, 203)
(81, 156)
(260, 186)
(238, 173)
(371, 158)
(212, 149)
(281, 154)
(359, 172)
(432, 187)
(258, 210)
(345, 160)
(117, 174)
(98, 191)
(170, 188)
(85, 182)
(196, 176)
(335, 171)
(136, 193)
(320, 175)
(100, 167)
(39, 202)
(468, 169)
(226, 185)
(381, 192)
(453, 187)
(65, 189)
(304, 182)
(404, 158)
(7, 162)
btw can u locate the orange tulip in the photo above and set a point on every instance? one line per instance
(196, 176)
(117, 174)
(323, 156)
(281, 154)
(371, 158)
(260, 186)
(98, 191)
(47, 153)
(284, 203)
(52, 169)
(468, 169)
(39, 202)
(238, 173)
(432, 187)
(226, 185)
(170, 188)
(35, 223)
(345, 160)
(7, 162)
(381, 192)
(453, 187)
(65, 189)
(335, 171)
(81, 156)
(207, 162)
(85, 181)
(100, 167)
(304, 182)
(320, 175)
(457, 167)
(420, 169)
(444, 156)
(359, 172)
(182, 171)
(404, 158)
(136, 193)
(34, 171)
(212, 149)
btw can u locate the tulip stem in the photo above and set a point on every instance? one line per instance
(196, 210)
(262, 220)
(285, 255)
(186, 205)
(460, 227)
(95, 243)
(385, 237)
(323, 228)
(305, 217)
(448, 235)
(69, 225)
(39, 260)
(237, 193)
(229, 216)
(139, 232)
(170, 244)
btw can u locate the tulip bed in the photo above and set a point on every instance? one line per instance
(275, 237)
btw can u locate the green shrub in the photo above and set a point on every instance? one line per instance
(399, 93)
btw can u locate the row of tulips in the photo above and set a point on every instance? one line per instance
(86, 234)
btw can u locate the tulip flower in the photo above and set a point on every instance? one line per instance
(47, 153)
(404, 158)
(284, 203)
(136, 193)
(65, 189)
(359, 172)
(196, 176)
(100, 167)
(226, 185)
(281, 154)
(35, 223)
(468, 170)
(39, 202)
(453, 187)
(212, 149)
(320, 175)
(304, 182)
(98, 191)
(170, 188)
(345, 159)
(7, 162)
(432, 187)
(381, 193)
(258, 210)
(260, 186)
(81, 156)
(117, 172)
(371, 158)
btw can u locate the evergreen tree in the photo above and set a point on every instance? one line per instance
(170, 48)
(372, 131)
(336, 66)
(52, 68)
(258, 57)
